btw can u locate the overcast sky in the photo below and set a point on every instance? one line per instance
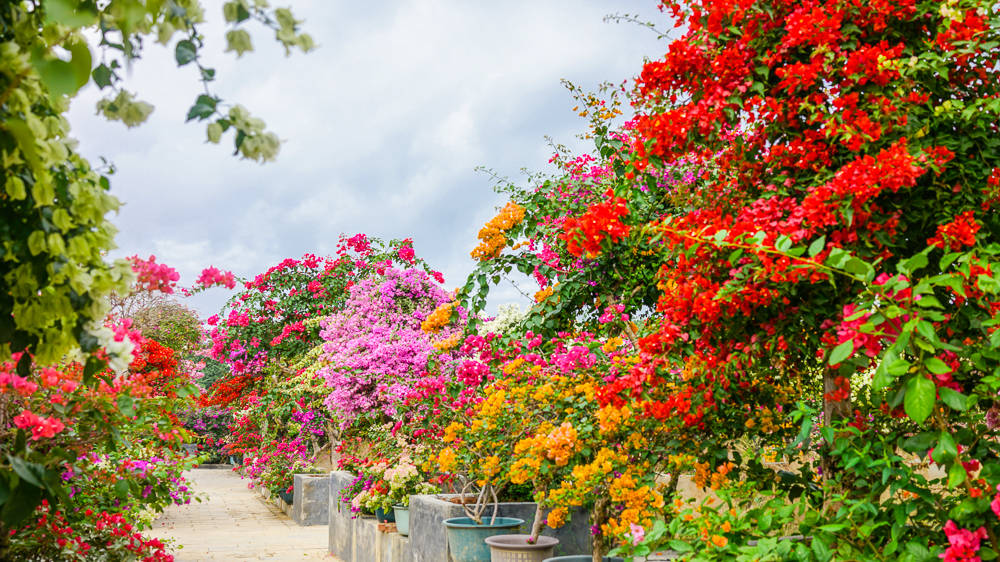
(382, 125)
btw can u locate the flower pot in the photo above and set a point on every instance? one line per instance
(582, 558)
(516, 548)
(402, 514)
(384, 517)
(287, 497)
(466, 540)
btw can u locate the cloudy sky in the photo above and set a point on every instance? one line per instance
(382, 125)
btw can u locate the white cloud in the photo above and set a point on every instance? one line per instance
(383, 127)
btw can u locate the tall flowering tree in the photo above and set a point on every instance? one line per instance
(843, 231)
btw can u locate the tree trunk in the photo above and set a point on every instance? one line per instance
(536, 525)
(833, 411)
(597, 516)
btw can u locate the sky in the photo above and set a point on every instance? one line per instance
(382, 126)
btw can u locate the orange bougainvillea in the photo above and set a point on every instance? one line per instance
(492, 236)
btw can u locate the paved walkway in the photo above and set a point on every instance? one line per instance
(236, 523)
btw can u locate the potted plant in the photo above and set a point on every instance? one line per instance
(467, 535)
(541, 420)
(367, 493)
(404, 480)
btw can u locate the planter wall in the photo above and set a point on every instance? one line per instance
(275, 499)
(431, 545)
(311, 505)
(358, 540)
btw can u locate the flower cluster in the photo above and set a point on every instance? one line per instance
(152, 276)
(492, 238)
(602, 221)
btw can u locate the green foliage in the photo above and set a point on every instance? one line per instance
(54, 229)
(171, 324)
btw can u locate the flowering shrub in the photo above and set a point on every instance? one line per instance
(375, 349)
(539, 425)
(267, 318)
(381, 486)
(105, 535)
(837, 212)
(274, 464)
(211, 427)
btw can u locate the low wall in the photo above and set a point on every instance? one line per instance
(359, 540)
(311, 499)
(276, 500)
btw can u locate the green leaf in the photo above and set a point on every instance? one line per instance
(126, 405)
(32, 473)
(937, 366)
(58, 76)
(70, 13)
(203, 108)
(817, 246)
(920, 442)
(20, 504)
(121, 489)
(945, 451)
(25, 139)
(764, 523)
(914, 263)
(919, 399)
(837, 257)
(102, 76)
(954, 399)
(36, 242)
(679, 546)
(926, 329)
(956, 475)
(948, 259)
(820, 549)
(841, 352)
(80, 63)
(185, 52)
(860, 268)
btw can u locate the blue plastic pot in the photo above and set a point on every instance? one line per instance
(402, 514)
(384, 517)
(467, 540)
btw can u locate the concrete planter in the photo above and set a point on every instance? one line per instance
(311, 499)
(427, 514)
(359, 540)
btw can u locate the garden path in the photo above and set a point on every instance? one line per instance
(235, 523)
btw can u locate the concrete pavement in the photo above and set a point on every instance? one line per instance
(236, 523)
